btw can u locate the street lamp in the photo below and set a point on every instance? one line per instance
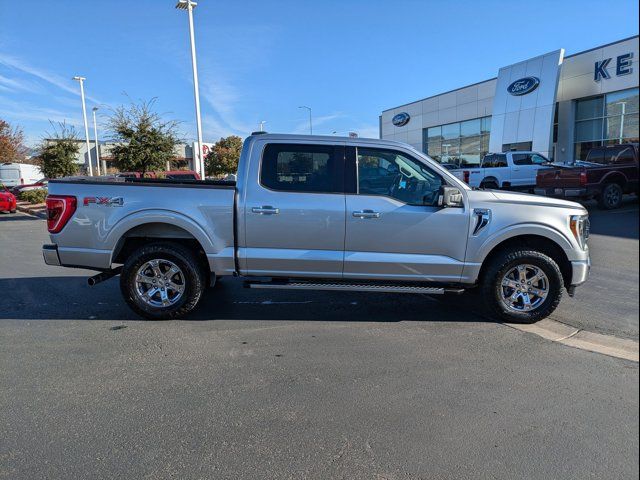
(189, 5)
(310, 124)
(262, 125)
(95, 135)
(84, 116)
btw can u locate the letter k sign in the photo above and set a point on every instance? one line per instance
(601, 70)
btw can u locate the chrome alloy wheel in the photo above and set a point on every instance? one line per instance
(160, 283)
(524, 288)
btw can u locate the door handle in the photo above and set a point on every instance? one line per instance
(366, 214)
(266, 210)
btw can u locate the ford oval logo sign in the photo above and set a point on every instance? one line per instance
(523, 86)
(401, 119)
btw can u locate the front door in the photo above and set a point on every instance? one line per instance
(394, 228)
(295, 214)
(525, 169)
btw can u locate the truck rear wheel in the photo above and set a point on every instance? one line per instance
(522, 286)
(611, 197)
(162, 281)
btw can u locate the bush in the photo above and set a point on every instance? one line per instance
(34, 196)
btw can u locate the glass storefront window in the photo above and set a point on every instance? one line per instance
(589, 130)
(589, 108)
(470, 127)
(606, 120)
(451, 131)
(485, 125)
(461, 143)
(434, 132)
(625, 102)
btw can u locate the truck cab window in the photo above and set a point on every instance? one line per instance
(522, 159)
(396, 175)
(301, 168)
(538, 159)
(497, 160)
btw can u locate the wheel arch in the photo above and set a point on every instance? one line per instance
(537, 242)
(152, 229)
(614, 177)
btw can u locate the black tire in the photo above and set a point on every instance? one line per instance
(492, 290)
(611, 197)
(490, 185)
(192, 270)
(12, 211)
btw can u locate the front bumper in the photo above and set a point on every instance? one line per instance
(50, 254)
(580, 271)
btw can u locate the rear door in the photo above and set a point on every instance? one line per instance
(294, 211)
(394, 230)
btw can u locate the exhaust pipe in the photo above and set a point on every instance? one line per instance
(102, 276)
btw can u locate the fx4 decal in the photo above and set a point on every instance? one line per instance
(105, 201)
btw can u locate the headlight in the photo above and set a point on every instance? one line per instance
(579, 225)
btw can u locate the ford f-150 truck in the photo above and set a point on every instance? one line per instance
(510, 170)
(607, 173)
(321, 213)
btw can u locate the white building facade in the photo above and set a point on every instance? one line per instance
(559, 105)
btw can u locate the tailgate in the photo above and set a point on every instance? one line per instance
(561, 177)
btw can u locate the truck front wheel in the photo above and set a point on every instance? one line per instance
(162, 281)
(522, 286)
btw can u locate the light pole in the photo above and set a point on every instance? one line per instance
(86, 127)
(310, 124)
(189, 5)
(95, 135)
(262, 125)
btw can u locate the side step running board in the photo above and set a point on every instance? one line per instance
(355, 287)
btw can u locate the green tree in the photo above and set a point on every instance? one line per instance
(224, 156)
(12, 147)
(144, 141)
(58, 152)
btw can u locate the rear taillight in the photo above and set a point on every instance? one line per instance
(60, 209)
(583, 178)
(465, 176)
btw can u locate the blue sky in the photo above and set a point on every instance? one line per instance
(261, 60)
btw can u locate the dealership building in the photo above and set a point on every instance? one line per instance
(556, 104)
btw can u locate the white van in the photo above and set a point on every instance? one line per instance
(13, 174)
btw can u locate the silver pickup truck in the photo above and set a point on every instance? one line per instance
(321, 213)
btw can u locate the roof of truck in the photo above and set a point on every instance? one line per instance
(322, 138)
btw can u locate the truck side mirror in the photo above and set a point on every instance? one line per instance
(450, 197)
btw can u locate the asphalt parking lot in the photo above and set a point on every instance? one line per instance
(284, 384)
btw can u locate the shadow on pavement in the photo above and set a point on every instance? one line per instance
(15, 217)
(70, 298)
(615, 223)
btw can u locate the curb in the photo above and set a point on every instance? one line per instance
(574, 337)
(31, 211)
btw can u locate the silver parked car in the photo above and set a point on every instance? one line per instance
(311, 212)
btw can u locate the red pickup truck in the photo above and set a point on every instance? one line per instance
(606, 174)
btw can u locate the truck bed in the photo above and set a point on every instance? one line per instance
(109, 209)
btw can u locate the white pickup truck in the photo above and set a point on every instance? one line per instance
(512, 170)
